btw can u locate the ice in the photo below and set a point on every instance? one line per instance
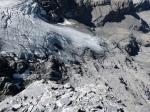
(9, 3)
(79, 39)
(24, 33)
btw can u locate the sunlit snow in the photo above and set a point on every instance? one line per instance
(27, 33)
(9, 3)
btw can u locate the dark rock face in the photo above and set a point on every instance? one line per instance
(57, 70)
(10, 89)
(8, 85)
(55, 8)
(142, 5)
(122, 5)
(91, 13)
(133, 47)
(21, 66)
(6, 67)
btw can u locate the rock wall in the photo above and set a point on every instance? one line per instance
(92, 12)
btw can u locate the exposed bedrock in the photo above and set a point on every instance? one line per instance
(92, 12)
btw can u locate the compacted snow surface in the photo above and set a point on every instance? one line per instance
(9, 3)
(57, 68)
(28, 32)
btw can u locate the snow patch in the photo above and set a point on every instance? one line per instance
(9, 3)
(78, 39)
(27, 35)
(66, 22)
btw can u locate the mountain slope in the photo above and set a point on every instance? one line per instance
(71, 67)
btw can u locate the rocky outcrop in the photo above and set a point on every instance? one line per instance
(141, 5)
(92, 12)
(68, 100)
(132, 47)
(123, 5)
(8, 84)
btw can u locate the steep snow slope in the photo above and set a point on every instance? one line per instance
(29, 35)
(9, 3)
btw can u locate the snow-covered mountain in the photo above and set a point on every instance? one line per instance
(74, 55)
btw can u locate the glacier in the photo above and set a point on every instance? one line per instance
(25, 34)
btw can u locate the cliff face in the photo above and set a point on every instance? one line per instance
(92, 12)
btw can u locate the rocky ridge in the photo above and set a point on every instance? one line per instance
(98, 12)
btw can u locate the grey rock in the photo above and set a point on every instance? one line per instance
(118, 5)
(97, 13)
